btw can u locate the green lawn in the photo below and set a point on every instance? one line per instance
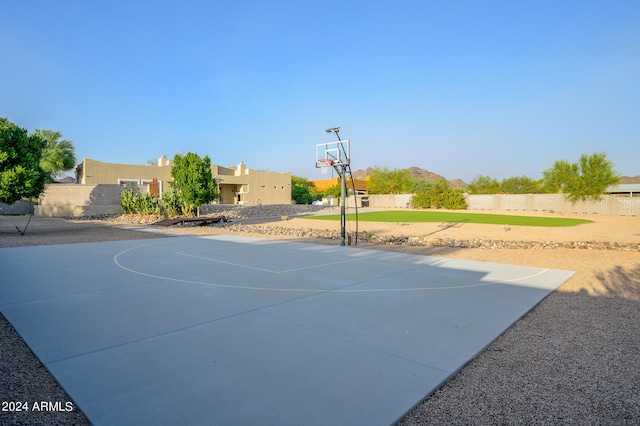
(438, 216)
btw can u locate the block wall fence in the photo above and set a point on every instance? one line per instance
(607, 205)
(90, 200)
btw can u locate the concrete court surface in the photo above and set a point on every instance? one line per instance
(233, 330)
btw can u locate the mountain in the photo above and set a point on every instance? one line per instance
(66, 179)
(417, 173)
(362, 174)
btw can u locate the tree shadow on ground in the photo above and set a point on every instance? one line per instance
(619, 282)
(574, 359)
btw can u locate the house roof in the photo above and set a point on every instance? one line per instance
(625, 187)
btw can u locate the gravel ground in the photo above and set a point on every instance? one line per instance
(574, 359)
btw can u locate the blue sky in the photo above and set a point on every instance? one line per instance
(461, 88)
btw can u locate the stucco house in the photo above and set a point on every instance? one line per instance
(237, 185)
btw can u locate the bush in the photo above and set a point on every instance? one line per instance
(385, 181)
(132, 203)
(583, 180)
(127, 201)
(146, 204)
(440, 195)
(484, 185)
(520, 185)
(171, 203)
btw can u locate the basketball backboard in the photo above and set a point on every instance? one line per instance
(333, 154)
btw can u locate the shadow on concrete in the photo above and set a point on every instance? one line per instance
(574, 359)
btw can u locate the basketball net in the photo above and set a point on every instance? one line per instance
(324, 167)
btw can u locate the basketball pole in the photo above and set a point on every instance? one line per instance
(343, 198)
(342, 172)
(343, 201)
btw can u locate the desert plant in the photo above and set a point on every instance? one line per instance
(132, 203)
(385, 181)
(520, 185)
(583, 180)
(484, 185)
(127, 201)
(146, 204)
(170, 203)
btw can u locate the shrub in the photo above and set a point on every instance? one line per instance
(132, 202)
(146, 204)
(484, 185)
(586, 179)
(440, 195)
(127, 201)
(171, 203)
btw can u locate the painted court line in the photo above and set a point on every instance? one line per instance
(240, 265)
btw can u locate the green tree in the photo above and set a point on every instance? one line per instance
(193, 180)
(170, 203)
(385, 181)
(560, 176)
(21, 175)
(586, 179)
(421, 184)
(484, 185)
(520, 185)
(439, 195)
(58, 155)
(300, 190)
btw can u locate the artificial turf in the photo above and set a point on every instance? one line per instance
(446, 216)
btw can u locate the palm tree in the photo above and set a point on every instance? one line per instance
(58, 155)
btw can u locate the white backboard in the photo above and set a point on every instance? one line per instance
(333, 153)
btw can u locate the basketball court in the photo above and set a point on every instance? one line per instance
(233, 330)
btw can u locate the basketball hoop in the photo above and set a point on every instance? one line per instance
(324, 165)
(337, 155)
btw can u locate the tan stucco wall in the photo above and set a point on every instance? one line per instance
(80, 200)
(94, 172)
(250, 186)
(268, 188)
(242, 185)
